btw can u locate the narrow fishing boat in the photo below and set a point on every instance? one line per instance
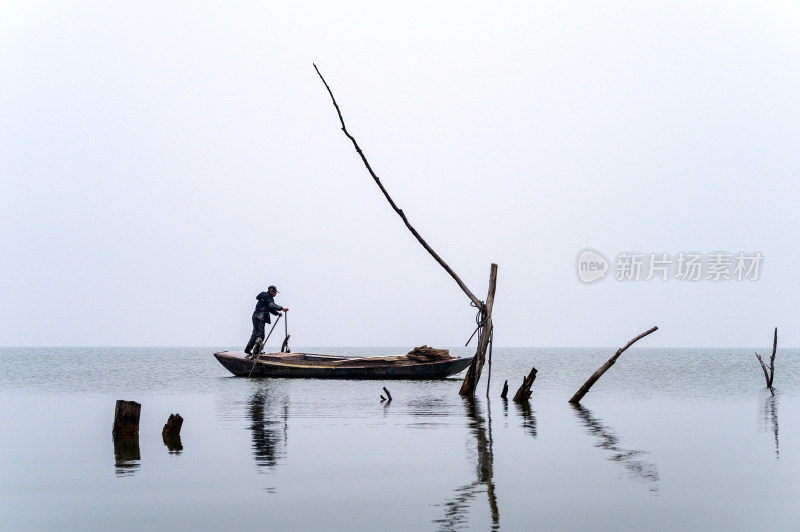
(420, 363)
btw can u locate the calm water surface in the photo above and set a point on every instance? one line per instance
(668, 439)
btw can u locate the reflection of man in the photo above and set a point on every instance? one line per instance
(266, 305)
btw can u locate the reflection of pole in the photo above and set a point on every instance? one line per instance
(458, 507)
(489, 469)
(609, 441)
(771, 414)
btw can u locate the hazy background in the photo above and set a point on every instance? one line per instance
(162, 163)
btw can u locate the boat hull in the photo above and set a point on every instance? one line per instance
(309, 366)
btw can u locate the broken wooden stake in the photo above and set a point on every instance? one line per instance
(173, 425)
(524, 393)
(504, 393)
(388, 395)
(602, 369)
(769, 377)
(126, 417)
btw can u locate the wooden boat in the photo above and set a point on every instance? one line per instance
(309, 365)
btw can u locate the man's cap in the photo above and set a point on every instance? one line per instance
(272, 287)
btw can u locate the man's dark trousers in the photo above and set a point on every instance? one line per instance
(258, 332)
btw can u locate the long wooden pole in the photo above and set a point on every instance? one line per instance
(602, 369)
(399, 211)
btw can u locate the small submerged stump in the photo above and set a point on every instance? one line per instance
(504, 393)
(524, 393)
(126, 417)
(173, 425)
(388, 397)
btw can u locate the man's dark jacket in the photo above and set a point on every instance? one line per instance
(266, 306)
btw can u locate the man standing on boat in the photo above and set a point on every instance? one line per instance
(266, 305)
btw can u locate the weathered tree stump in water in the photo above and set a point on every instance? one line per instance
(524, 393)
(771, 375)
(173, 425)
(126, 417)
(602, 369)
(504, 393)
(388, 397)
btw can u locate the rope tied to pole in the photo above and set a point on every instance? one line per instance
(480, 318)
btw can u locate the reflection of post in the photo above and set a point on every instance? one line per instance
(771, 420)
(528, 417)
(173, 443)
(608, 440)
(127, 457)
(458, 507)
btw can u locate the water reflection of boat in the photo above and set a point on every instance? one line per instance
(307, 365)
(269, 431)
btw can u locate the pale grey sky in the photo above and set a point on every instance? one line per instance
(162, 163)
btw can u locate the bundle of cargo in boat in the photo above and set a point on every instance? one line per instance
(428, 354)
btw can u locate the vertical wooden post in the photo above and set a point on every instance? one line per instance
(504, 393)
(126, 417)
(474, 372)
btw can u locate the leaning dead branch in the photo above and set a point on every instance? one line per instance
(602, 369)
(474, 372)
(771, 375)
